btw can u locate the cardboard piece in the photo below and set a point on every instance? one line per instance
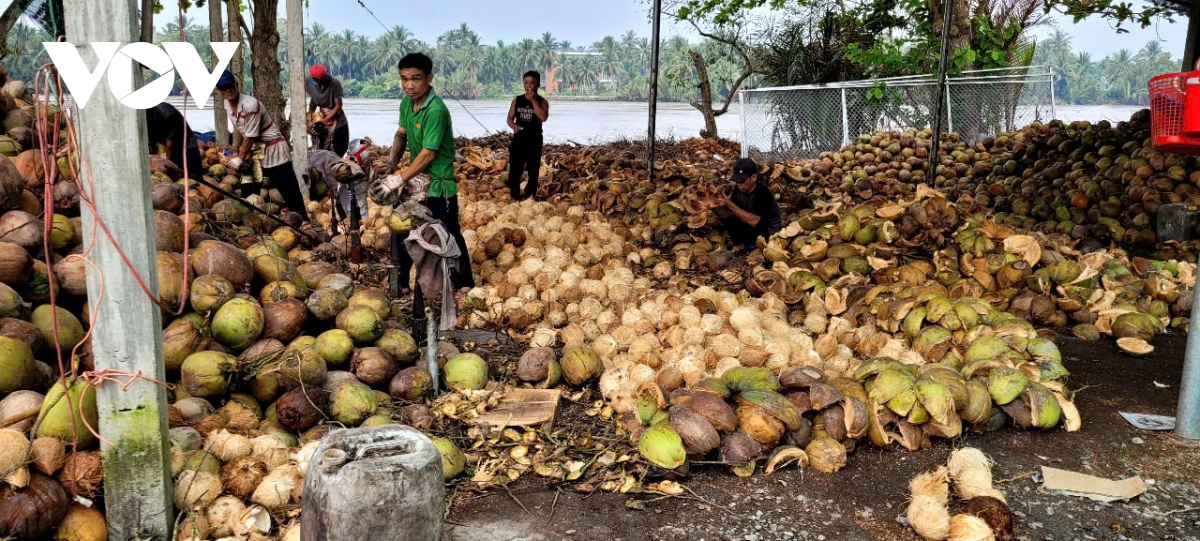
(523, 407)
(1091, 487)
(1146, 421)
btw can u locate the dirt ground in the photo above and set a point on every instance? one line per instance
(866, 500)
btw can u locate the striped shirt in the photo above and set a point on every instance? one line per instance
(253, 120)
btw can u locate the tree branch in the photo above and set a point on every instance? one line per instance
(9, 19)
(732, 91)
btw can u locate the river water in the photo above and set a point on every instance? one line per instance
(585, 122)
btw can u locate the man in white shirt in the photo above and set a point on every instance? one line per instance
(262, 142)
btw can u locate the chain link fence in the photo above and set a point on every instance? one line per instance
(785, 123)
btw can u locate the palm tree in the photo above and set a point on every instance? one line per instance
(547, 45)
(528, 54)
(392, 46)
(610, 57)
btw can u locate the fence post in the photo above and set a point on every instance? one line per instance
(126, 333)
(1053, 114)
(742, 108)
(845, 120)
(949, 111)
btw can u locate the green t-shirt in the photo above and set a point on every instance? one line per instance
(429, 127)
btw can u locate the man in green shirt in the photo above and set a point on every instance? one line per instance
(426, 131)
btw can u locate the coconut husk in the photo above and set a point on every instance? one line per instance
(969, 528)
(81, 473)
(971, 471)
(22, 330)
(31, 168)
(301, 409)
(226, 260)
(284, 320)
(47, 455)
(373, 366)
(11, 184)
(995, 513)
(929, 517)
(34, 511)
(15, 264)
(21, 228)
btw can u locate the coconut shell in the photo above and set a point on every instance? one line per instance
(33, 511)
(23, 331)
(284, 320)
(168, 232)
(826, 454)
(995, 513)
(82, 473)
(226, 260)
(534, 366)
(195, 490)
(712, 408)
(699, 437)
(15, 264)
(47, 455)
(739, 448)
(71, 273)
(373, 366)
(301, 409)
(19, 410)
(410, 384)
(21, 228)
(82, 523)
(11, 184)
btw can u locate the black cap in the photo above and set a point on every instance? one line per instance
(742, 169)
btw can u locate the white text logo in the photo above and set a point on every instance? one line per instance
(118, 61)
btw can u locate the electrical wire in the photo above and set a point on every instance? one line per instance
(486, 131)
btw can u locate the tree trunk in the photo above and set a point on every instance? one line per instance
(215, 34)
(960, 23)
(147, 21)
(706, 104)
(236, 65)
(264, 65)
(10, 17)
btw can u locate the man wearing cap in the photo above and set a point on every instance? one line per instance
(342, 177)
(264, 153)
(325, 91)
(752, 210)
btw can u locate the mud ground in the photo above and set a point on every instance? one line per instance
(866, 500)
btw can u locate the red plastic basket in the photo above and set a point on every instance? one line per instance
(1169, 114)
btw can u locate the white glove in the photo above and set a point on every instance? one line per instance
(235, 163)
(386, 191)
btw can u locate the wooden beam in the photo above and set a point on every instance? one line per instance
(297, 78)
(216, 33)
(127, 331)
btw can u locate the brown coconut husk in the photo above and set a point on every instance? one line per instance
(21, 228)
(284, 320)
(31, 168)
(15, 264)
(226, 260)
(927, 512)
(47, 455)
(168, 231)
(995, 513)
(82, 473)
(72, 275)
(22, 330)
(242, 476)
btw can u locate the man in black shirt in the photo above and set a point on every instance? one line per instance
(752, 208)
(164, 125)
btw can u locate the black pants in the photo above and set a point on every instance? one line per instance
(341, 140)
(195, 166)
(524, 155)
(283, 178)
(446, 210)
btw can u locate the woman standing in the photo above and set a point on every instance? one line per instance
(525, 116)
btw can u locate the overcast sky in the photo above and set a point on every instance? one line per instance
(586, 21)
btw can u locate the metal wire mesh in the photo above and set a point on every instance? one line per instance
(789, 123)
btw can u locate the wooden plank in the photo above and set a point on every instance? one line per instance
(523, 407)
(127, 331)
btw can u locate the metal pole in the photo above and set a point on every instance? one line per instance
(1053, 114)
(949, 111)
(431, 354)
(948, 13)
(742, 113)
(657, 17)
(296, 97)
(845, 121)
(126, 335)
(1187, 417)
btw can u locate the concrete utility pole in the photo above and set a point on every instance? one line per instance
(112, 140)
(651, 137)
(296, 81)
(215, 34)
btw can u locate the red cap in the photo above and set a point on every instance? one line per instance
(317, 72)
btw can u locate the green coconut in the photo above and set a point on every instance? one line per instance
(301, 364)
(376, 299)
(1136, 325)
(266, 247)
(937, 400)
(361, 322)
(201, 461)
(377, 420)
(17, 367)
(453, 460)
(466, 371)
(745, 378)
(352, 402)
(326, 304)
(210, 292)
(238, 324)
(59, 408)
(335, 346)
(271, 268)
(206, 374)
(400, 345)
(62, 232)
(11, 304)
(1006, 384)
(662, 446)
(889, 384)
(70, 330)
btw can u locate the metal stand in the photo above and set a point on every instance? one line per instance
(948, 13)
